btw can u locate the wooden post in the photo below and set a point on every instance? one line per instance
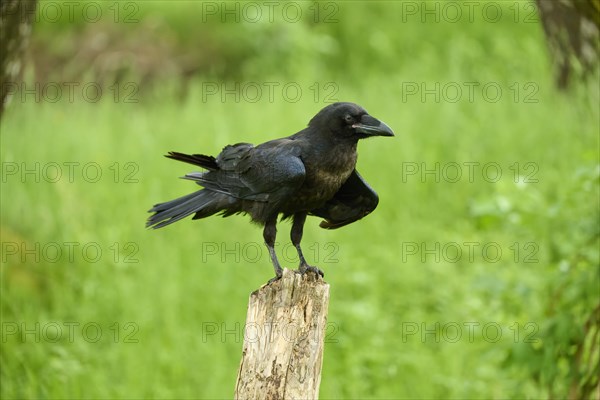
(283, 339)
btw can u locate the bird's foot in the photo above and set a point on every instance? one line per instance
(278, 275)
(274, 279)
(304, 268)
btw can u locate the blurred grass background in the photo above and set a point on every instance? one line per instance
(157, 295)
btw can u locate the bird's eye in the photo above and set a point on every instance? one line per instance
(348, 118)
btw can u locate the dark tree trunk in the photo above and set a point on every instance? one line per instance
(16, 17)
(572, 28)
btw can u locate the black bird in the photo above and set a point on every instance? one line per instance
(311, 172)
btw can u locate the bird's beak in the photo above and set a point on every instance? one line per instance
(372, 127)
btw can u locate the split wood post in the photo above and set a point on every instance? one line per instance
(283, 339)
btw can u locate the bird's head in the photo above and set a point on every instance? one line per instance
(349, 120)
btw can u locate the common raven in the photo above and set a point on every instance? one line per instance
(311, 172)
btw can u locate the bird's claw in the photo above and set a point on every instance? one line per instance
(304, 268)
(278, 275)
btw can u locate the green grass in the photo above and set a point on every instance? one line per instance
(175, 288)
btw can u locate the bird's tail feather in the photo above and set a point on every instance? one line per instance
(204, 201)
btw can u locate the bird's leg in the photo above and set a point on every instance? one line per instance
(269, 234)
(296, 236)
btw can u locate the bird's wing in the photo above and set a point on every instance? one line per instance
(353, 201)
(263, 173)
(206, 162)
